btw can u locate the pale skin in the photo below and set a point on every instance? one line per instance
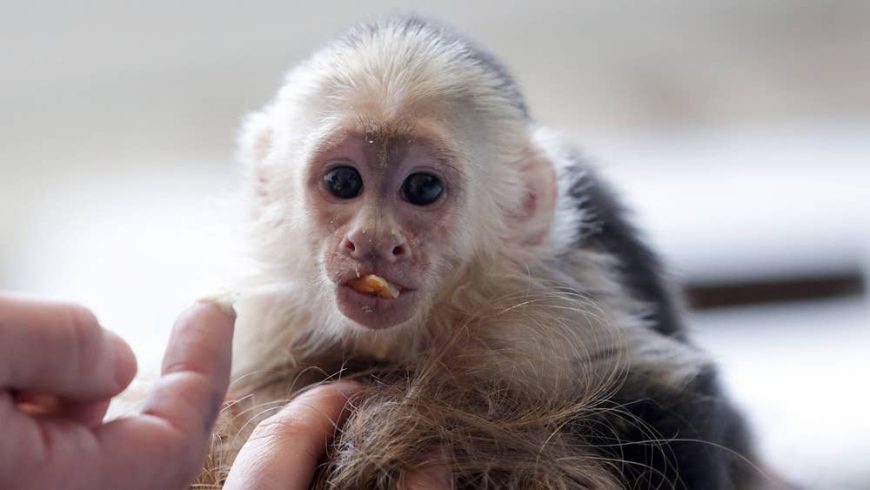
(59, 369)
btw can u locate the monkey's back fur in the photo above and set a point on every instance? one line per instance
(561, 368)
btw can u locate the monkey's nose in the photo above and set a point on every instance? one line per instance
(389, 248)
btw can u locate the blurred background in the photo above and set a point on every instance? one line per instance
(738, 130)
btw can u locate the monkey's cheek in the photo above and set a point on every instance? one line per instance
(375, 312)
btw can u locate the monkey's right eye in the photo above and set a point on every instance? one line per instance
(343, 182)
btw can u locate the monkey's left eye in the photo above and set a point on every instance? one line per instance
(343, 182)
(422, 189)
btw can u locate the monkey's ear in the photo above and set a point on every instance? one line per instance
(255, 144)
(538, 207)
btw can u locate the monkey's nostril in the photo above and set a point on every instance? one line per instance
(349, 245)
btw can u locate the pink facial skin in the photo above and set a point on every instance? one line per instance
(379, 231)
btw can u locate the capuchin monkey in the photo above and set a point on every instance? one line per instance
(415, 229)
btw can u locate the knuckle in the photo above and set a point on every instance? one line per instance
(324, 395)
(80, 318)
(84, 337)
(284, 425)
(326, 392)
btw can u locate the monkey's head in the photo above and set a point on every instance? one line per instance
(396, 153)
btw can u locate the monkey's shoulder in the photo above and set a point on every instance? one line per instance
(668, 423)
(600, 223)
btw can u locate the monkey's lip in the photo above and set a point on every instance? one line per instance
(402, 292)
(376, 312)
(344, 282)
(370, 298)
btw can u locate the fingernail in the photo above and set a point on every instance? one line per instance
(123, 359)
(223, 298)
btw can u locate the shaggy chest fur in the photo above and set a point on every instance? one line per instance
(532, 390)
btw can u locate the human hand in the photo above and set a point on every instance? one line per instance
(283, 451)
(58, 371)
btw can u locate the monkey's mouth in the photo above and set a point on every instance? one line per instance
(374, 285)
(374, 302)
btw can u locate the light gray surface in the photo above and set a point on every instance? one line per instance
(800, 372)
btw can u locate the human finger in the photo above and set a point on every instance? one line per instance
(283, 450)
(431, 473)
(60, 349)
(176, 421)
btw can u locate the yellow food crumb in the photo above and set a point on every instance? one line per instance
(375, 285)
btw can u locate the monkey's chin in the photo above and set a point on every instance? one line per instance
(375, 312)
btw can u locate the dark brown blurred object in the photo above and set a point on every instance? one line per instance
(704, 296)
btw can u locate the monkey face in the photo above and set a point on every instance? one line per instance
(401, 179)
(382, 200)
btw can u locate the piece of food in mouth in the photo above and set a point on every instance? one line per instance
(374, 285)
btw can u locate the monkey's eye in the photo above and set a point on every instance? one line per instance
(422, 189)
(343, 182)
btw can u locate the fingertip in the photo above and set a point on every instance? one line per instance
(201, 340)
(223, 299)
(346, 387)
(209, 312)
(123, 359)
(337, 393)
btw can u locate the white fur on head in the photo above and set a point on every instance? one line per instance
(392, 69)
